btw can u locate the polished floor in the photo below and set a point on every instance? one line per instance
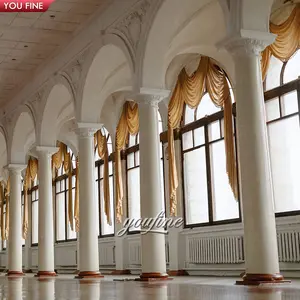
(64, 287)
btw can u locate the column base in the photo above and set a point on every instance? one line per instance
(178, 273)
(120, 272)
(257, 279)
(87, 274)
(15, 273)
(27, 271)
(45, 274)
(154, 276)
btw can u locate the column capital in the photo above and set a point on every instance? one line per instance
(247, 42)
(86, 130)
(151, 96)
(15, 168)
(46, 149)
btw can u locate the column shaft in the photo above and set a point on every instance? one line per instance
(153, 244)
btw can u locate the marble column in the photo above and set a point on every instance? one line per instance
(88, 237)
(153, 243)
(261, 254)
(45, 216)
(15, 221)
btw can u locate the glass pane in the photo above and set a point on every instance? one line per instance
(189, 115)
(109, 148)
(101, 171)
(272, 109)
(110, 168)
(289, 103)
(214, 131)
(57, 189)
(292, 70)
(225, 205)
(105, 227)
(73, 181)
(34, 222)
(199, 136)
(284, 141)
(195, 186)
(62, 186)
(134, 208)
(137, 158)
(187, 140)
(97, 197)
(60, 217)
(71, 234)
(162, 185)
(130, 160)
(131, 140)
(96, 172)
(160, 124)
(273, 75)
(206, 107)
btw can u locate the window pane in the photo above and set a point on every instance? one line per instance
(134, 208)
(225, 205)
(60, 217)
(273, 76)
(214, 131)
(62, 185)
(189, 115)
(130, 160)
(187, 140)
(101, 170)
(162, 184)
(110, 168)
(195, 186)
(105, 227)
(284, 141)
(71, 234)
(292, 70)
(206, 107)
(131, 140)
(199, 136)
(137, 158)
(34, 222)
(289, 103)
(272, 109)
(57, 187)
(96, 172)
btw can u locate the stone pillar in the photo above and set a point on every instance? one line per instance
(261, 255)
(15, 221)
(46, 236)
(153, 243)
(88, 237)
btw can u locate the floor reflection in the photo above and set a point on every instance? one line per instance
(187, 289)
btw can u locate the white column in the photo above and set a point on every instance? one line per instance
(27, 247)
(261, 255)
(153, 244)
(88, 237)
(15, 221)
(45, 216)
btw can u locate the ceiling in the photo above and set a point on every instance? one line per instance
(28, 39)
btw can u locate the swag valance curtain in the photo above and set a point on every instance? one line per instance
(287, 40)
(189, 90)
(128, 124)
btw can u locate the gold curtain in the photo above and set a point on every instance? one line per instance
(76, 204)
(287, 40)
(128, 124)
(26, 186)
(189, 91)
(7, 196)
(2, 212)
(103, 154)
(57, 158)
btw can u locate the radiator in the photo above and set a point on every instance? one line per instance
(288, 246)
(215, 250)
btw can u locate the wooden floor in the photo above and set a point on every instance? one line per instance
(65, 287)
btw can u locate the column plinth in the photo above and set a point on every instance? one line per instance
(15, 221)
(88, 237)
(45, 216)
(260, 238)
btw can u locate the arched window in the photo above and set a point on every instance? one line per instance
(133, 176)
(104, 228)
(282, 96)
(62, 225)
(34, 191)
(208, 198)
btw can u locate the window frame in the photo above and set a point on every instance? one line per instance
(204, 122)
(280, 91)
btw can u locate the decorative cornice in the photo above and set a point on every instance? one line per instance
(47, 150)
(15, 169)
(150, 96)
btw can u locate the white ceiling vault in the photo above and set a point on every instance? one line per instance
(28, 39)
